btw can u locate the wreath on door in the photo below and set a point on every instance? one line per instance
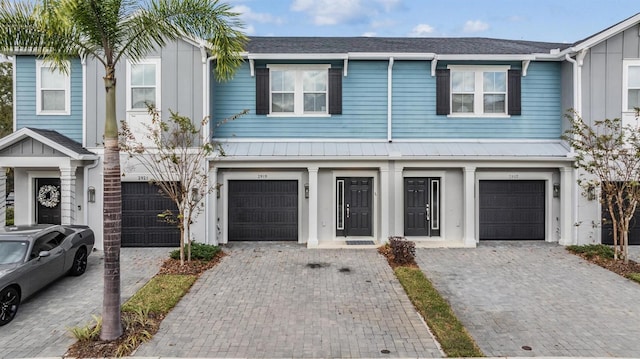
(49, 196)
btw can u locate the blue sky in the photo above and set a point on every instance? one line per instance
(539, 20)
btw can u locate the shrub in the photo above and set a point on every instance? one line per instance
(199, 251)
(404, 251)
(592, 250)
(9, 217)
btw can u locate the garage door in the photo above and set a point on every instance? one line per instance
(512, 210)
(263, 210)
(141, 227)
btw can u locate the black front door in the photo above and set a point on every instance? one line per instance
(422, 206)
(48, 198)
(354, 206)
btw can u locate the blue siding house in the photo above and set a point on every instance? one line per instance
(347, 140)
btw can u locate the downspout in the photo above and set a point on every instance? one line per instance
(83, 60)
(389, 99)
(206, 83)
(578, 111)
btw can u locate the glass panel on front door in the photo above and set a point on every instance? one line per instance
(422, 206)
(354, 207)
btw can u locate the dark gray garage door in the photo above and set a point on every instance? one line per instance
(141, 227)
(607, 228)
(512, 210)
(263, 210)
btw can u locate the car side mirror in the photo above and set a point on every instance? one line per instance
(43, 254)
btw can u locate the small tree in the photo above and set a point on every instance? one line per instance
(176, 159)
(609, 154)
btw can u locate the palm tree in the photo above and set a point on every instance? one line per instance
(108, 31)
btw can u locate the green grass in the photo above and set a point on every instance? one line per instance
(450, 333)
(160, 294)
(634, 277)
(592, 250)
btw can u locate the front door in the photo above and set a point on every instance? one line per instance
(48, 196)
(354, 206)
(422, 206)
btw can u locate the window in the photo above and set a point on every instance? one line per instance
(298, 90)
(143, 84)
(631, 97)
(478, 91)
(53, 90)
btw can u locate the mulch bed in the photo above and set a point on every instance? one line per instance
(615, 266)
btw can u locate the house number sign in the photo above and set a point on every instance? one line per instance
(262, 176)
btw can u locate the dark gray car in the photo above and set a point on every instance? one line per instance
(33, 256)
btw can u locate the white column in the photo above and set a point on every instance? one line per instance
(212, 207)
(3, 196)
(312, 241)
(398, 202)
(567, 185)
(68, 195)
(385, 205)
(469, 230)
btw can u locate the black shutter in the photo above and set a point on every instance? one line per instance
(443, 91)
(335, 91)
(513, 86)
(262, 91)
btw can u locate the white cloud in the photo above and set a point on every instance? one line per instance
(369, 34)
(332, 12)
(475, 26)
(422, 30)
(249, 15)
(389, 4)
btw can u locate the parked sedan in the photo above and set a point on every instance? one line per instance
(33, 256)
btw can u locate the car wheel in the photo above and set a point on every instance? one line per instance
(79, 262)
(9, 302)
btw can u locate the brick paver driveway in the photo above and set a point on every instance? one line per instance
(287, 301)
(40, 328)
(513, 295)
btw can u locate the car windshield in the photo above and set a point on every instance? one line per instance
(13, 251)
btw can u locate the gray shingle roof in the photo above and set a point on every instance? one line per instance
(62, 140)
(438, 45)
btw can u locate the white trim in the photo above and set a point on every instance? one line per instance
(375, 198)
(478, 93)
(510, 175)
(268, 175)
(26, 132)
(373, 140)
(32, 176)
(442, 175)
(14, 92)
(298, 92)
(66, 87)
(626, 63)
(158, 84)
(596, 39)
(84, 102)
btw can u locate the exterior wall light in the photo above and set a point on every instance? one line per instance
(306, 190)
(556, 190)
(91, 194)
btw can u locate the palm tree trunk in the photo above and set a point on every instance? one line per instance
(111, 326)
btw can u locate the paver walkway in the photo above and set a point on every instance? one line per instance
(515, 294)
(41, 327)
(286, 301)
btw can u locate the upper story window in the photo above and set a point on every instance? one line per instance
(476, 91)
(53, 90)
(631, 83)
(298, 90)
(143, 84)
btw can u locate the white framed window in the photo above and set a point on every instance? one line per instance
(143, 84)
(631, 85)
(298, 90)
(53, 90)
(478, 90)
